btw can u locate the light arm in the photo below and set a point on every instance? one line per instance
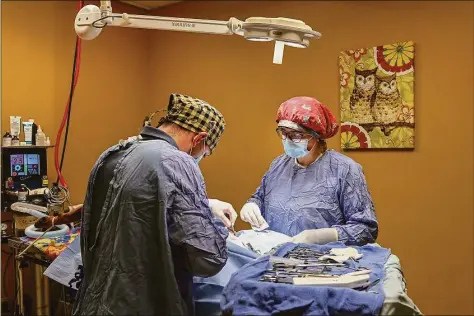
(91, 20)
(172, 24)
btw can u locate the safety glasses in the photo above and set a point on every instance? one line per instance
(294, 136)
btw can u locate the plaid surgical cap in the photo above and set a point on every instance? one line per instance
(197, 116)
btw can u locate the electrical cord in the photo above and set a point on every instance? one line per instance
(67, 111)
(58, 195)
(66, 118)
(94, 24)
(71, 95)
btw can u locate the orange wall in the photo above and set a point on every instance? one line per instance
(112, 93)
(423, 198)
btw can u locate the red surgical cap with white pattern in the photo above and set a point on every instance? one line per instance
(310, 113)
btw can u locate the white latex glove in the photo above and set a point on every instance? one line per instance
(316, 236)
(219, 209)
(250, 213)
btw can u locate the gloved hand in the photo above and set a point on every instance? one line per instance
(316, 236)
(251, 214)
(219, 209)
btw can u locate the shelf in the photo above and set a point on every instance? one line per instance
(27, 146)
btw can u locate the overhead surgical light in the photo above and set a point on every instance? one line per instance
(91, 20)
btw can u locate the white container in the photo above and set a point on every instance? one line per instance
(28, 129)
(40, 137)
(15, 125)
(15, 141)
(22, 194)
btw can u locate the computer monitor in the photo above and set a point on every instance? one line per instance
(24, 165)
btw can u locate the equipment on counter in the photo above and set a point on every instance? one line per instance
(24, 166)
(91, 20)
(31, 209)
(38, 212)
(41, 202)
(25, 190)
(56, 199)
(24, 178)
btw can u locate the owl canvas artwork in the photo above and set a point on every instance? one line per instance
(377, 97)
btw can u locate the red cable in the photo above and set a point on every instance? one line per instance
(66, 110)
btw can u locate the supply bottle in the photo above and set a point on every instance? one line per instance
(22, 193)
(48, 142)
(7, 140)
(40, 137)
(15, 141)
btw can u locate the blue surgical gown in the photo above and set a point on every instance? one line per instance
(331, 192)
(146, 230)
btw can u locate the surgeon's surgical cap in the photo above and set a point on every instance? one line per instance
(308, 113)
(197, 116)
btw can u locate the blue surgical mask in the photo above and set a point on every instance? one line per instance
(198, 159)
(296, 150)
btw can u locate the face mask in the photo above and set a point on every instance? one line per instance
(198, 159)
(296, 150)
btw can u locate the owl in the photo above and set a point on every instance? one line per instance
(363, 96)
(388, 102)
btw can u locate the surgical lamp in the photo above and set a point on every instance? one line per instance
(91, 19)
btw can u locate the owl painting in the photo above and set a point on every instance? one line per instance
(388, 103)
(363, 96)
(377, 97)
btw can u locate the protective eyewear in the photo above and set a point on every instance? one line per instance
(294, 136)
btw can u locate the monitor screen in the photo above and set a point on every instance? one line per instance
(24, 165)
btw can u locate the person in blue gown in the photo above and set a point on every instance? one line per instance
(310, 193)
